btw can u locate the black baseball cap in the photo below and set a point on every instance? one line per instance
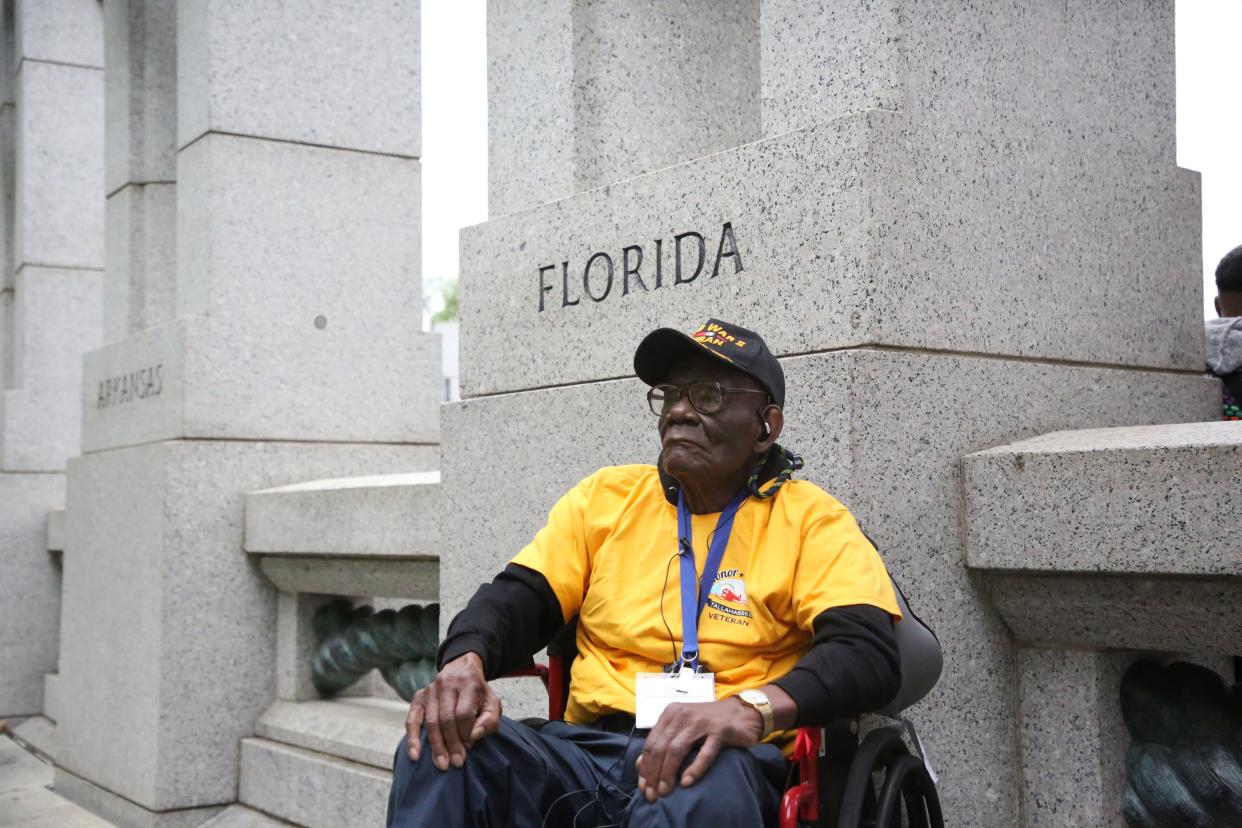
(744, 349)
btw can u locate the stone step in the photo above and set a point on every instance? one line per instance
(1115, 537)
(310, 788)
(358, 730)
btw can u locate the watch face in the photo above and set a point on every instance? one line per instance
(754, 696)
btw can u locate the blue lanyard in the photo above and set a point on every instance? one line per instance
(690, 610)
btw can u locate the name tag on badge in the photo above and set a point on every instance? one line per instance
(656, 691)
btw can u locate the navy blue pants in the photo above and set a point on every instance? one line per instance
(576, 777)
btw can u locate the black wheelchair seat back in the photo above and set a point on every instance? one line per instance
(922, 659)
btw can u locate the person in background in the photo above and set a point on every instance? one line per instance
(1223, 336)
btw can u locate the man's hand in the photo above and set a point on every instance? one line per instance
(682, 726)
(458, 708)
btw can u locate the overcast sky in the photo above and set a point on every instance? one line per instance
(1209, 121)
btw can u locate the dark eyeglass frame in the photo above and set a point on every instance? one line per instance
(661, 407)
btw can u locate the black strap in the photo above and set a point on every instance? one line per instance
(1233, 382)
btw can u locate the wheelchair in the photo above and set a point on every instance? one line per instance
(842, 780)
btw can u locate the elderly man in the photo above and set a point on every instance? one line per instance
(720, 604)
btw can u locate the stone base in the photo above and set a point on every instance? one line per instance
(156, 559)
(30, 609)
(310, 788)
(884, 431)
(124, 812)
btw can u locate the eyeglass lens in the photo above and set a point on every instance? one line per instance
(706, 397)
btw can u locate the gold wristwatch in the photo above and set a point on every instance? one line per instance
(760, 701)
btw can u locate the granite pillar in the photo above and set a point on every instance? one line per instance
(955, 225)
(263, 329)
(574, 84)
(51, 258)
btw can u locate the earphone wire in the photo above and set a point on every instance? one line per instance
(672, 642)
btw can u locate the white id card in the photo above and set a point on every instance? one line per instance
(656, 691)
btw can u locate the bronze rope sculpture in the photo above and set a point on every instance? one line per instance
(1184, 767)
(355, 640)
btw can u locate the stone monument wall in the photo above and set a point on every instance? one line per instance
(262, 307)
(958, 226)
(51, 260)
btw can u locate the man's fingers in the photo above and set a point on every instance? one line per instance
(447, 719)
(414, 729)
(488, 721)
(678, 748)
(698, 768)
(435, 735)
(464, 713)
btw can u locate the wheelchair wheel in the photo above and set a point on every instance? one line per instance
(906, 776)
(883, 773)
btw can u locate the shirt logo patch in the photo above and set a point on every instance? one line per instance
(730, 589)
(727, 599)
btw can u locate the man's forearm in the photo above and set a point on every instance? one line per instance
(853, 666)
(506, 622)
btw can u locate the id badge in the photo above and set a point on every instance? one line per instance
(655, 691)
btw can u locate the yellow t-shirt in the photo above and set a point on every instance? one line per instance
(609, 553)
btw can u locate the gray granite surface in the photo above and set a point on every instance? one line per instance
(154, 558)
(381, 515)
(322, 72)
(140, 80)
(296, 643)
(359, 730)
(821, 60)
(839, 241)
(883, 431)
(312, 789)
(530, 81)
(30, 611)
(583, 93)
(25, 799)
(1151, 500)
(690, 74)
(60, 166)
(416, 579)
(38, 735)
(8, 188)
(119, 811)
(239, 816)
(58, 311)
(1135, 612)
(55, 538)
(139, 289)
(1073, 738)
(53, 698)
(282, 345)
(57, 31)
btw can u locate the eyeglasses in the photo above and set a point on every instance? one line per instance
(706, 397)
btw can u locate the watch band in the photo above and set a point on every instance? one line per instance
(759, 700)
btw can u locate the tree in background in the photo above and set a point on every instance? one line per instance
(448, 310)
